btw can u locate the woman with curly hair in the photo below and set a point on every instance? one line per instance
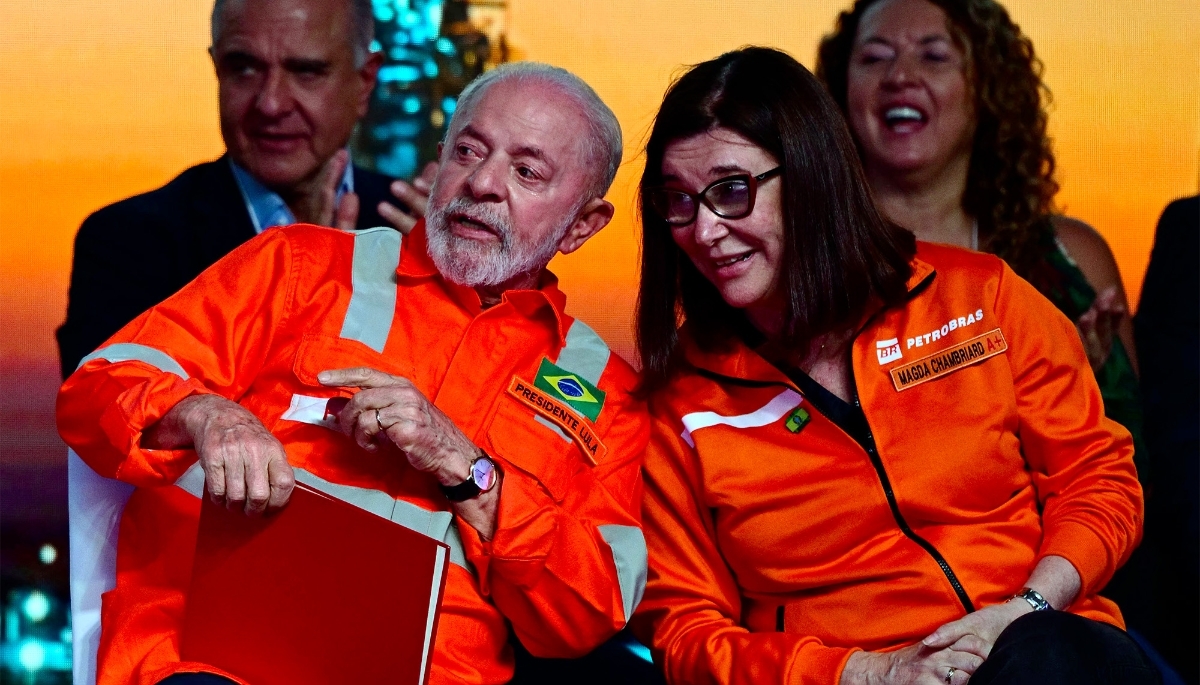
(947, 107)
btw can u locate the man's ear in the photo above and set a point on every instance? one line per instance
(368, 73)
(594, 216)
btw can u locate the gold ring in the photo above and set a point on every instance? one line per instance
(950, 671)
(379, 423)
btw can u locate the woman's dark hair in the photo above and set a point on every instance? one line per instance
(1010, 182)
(838, 250)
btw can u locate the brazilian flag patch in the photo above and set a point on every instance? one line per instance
(797, 420)
(561, 384)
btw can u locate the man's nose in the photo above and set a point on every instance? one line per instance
(275, 97)
(486, 180)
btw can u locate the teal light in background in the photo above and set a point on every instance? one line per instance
(432, 51)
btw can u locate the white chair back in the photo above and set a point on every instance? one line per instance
(94, 506)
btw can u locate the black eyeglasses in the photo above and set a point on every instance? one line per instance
(731, 197)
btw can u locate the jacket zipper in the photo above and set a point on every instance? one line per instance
(873, 454)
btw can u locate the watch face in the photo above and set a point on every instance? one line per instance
(483, 472)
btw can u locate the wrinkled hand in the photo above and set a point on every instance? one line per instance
(321, 207)
(912, 665)
(390, 409)
(244, 465)
(977, 632)
(1098, 325)
(413, 195)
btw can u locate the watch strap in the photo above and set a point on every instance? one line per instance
(463, 491)
(1035, 599)
(469, 488)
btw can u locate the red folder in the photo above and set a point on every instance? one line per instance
(318, 592)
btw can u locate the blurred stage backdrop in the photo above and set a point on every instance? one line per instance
(99, 101)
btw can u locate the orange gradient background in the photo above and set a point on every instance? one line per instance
(99, 101)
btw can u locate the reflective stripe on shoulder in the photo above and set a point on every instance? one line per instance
(373, 282)
(773, 411)
(133, 352)
(584, 353)
(438, 525)
(630, 555)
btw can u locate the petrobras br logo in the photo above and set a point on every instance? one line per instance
(888, 350)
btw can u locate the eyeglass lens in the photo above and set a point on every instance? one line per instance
(729, 199)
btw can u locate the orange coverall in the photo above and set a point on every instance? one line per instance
(778, 545)
(567, 563)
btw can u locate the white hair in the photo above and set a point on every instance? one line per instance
(362, 27)
(604, 135)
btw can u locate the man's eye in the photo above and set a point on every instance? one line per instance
(526, 173)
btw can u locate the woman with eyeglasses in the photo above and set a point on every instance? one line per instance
(873, 460)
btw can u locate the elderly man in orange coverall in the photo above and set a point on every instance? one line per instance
(473, 398)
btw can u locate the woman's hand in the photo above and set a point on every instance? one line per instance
(977, 632)
(1099, 324)
(913, 665)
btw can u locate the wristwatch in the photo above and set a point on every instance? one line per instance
(483, 477)
(1035, 599)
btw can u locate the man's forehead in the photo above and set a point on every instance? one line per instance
(534, 109)
(303, 25)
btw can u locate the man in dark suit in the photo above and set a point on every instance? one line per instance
(1167, 327)
(294, 76)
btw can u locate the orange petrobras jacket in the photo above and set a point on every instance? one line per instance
(567, 564)
(778, 545)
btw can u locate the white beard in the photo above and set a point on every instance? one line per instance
(473, 263)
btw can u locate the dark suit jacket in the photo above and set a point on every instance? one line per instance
(133, 254)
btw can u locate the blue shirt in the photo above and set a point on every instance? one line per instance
(265, 206)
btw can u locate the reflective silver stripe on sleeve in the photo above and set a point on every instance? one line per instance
(438, 525)
(373, 280)
(584, 353)
(630, 554)
(133, 352)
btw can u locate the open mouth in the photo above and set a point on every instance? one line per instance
(903, 117)
(730, 261)
(472, 223)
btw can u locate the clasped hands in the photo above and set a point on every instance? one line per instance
(246, 467)
(321, 206)
(963, 644)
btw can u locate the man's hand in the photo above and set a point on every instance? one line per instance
(321, 206)
(913, 665)
(1099, 324)
(977, 632)
(244, 465)
(391, 409)
(413, 195)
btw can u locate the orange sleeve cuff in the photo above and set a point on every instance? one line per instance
(526, 528)
(818, 665)
(1087, 552)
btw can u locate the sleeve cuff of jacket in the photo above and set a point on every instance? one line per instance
(819, 665)
(526, 526)
(1086, 551)
(124, 423)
